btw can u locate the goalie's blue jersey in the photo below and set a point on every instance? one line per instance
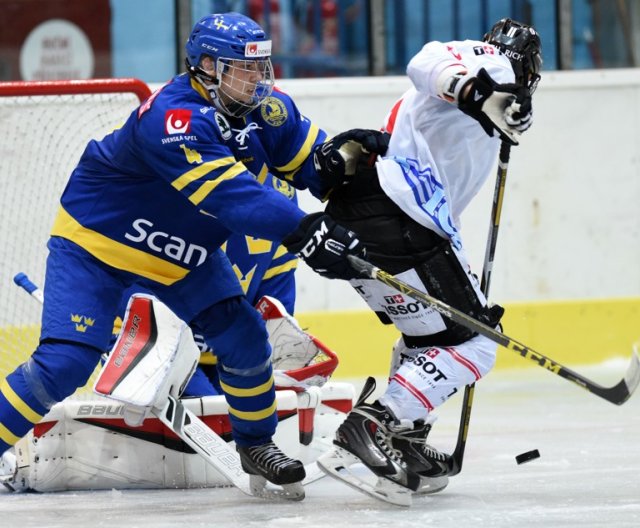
(160, 194)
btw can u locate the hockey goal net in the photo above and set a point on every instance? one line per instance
(45, 127)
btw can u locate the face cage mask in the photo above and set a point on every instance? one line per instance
(241, 85)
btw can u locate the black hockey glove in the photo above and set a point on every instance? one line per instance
(505, 108)
(336, 160)
(324, 246)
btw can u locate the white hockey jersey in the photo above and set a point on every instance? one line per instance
(439, 157)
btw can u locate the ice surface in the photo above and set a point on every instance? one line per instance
(587, 476)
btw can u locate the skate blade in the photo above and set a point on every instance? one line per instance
(313, 473)
(338, 463)
(262, 488)
(430, 485)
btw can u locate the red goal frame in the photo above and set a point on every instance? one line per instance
(86, 86)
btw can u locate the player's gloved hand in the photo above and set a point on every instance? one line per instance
(505, 108)
(336, 160)
(324, 246)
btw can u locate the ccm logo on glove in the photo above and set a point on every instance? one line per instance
(324, 246)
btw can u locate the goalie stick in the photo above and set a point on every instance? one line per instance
(618, 394)
(489, 254)
(203, 440)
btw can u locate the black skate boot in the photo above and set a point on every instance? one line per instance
(267, 463)
(430, 464)
(420, 457)
(367, 436)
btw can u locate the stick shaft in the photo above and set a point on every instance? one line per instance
(487, 268)
(617, 394)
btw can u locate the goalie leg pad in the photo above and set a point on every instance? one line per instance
(154, 356)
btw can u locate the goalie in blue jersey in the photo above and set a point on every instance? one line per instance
(151, 204)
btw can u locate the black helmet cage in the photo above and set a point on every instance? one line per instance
(521, 45)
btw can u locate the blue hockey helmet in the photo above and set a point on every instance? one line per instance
(241, 53)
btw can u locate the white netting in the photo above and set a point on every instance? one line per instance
(42, 138)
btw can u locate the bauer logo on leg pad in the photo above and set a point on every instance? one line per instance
(155, 355)
(136, 339)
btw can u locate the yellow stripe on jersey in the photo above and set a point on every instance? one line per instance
(200, 89)
(244, 393)
(254, 416)
(208, 358)
(279, 252)
(201, 170)
(116, 254)
(257, 245)
(18, 403)
(262, 175)
(283, 268)
(7, 436)
(210, 185)
(303, 153)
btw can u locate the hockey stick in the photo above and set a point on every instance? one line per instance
(487, 268)
(203, 440)
(617, 394)
(25, 283)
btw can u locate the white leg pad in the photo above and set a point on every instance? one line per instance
(154, 356)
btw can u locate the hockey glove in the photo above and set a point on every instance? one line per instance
(324, 246)
(336, 160)
(505, 108)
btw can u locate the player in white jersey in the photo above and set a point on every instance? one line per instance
(445, 132)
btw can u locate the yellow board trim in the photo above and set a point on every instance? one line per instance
(18, 403)
(201, 170)
(116, 254)
(245, 393)
(253, 416)
(304, 151)
(571, 332)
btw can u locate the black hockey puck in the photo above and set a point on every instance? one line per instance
(526, 457)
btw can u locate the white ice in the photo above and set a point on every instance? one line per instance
(587, 476)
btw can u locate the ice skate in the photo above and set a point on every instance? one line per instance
(430, 464)
(395, 451)
(267, 463)
(13, 471)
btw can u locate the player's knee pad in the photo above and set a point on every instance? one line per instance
(57, 368)
(445, 279)
(400, 353)
(237, 333)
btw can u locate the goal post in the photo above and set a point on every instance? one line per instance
(45, 126)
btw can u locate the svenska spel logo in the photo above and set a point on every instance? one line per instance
(257, 49)
(177, 121)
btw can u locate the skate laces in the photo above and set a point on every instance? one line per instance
(417, 437)
(268, 455)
